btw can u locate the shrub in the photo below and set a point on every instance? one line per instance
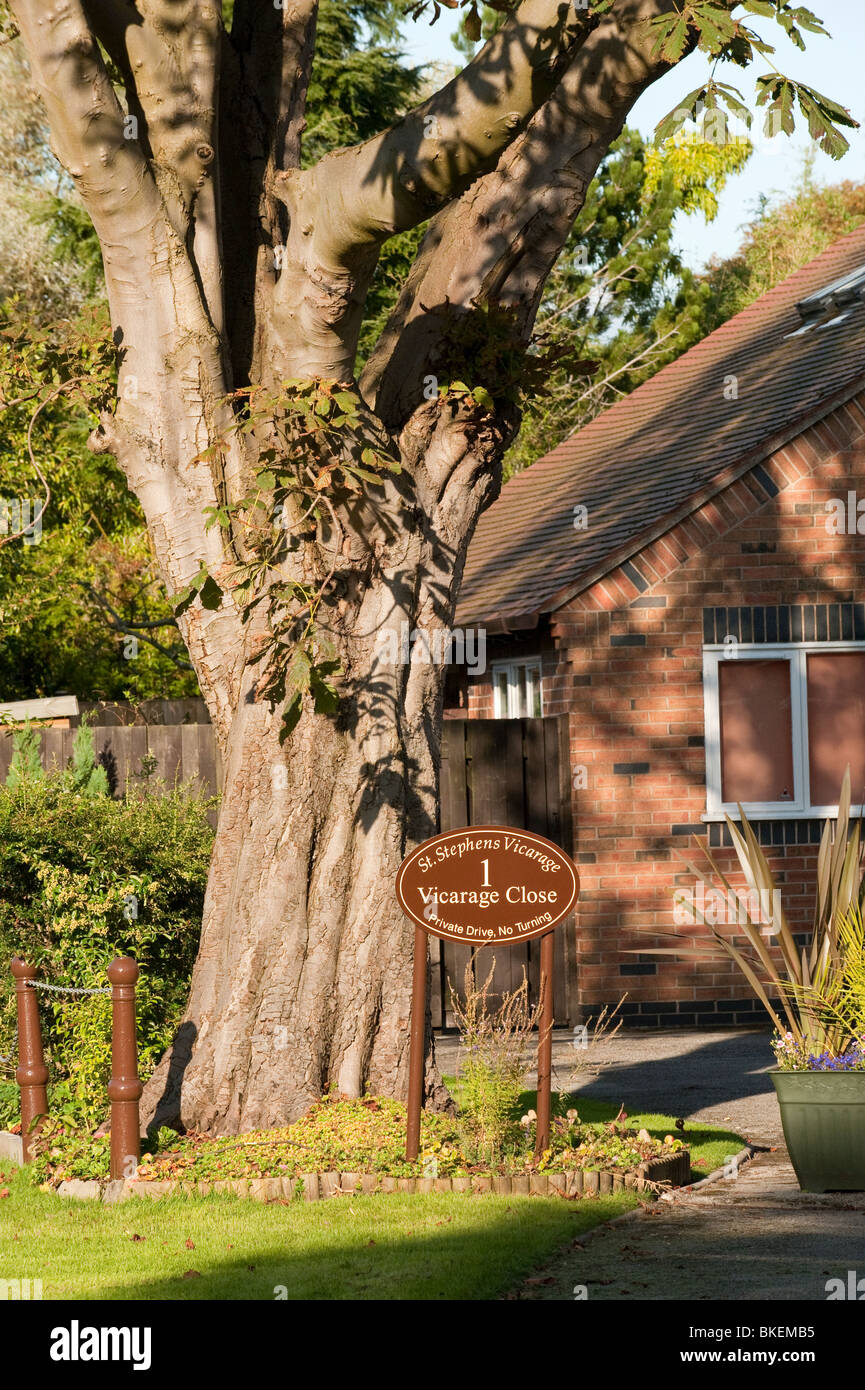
(814, 995)
(25, 764)
(10, 1108)
(492, 1047)
(86, 774)
(84, 878)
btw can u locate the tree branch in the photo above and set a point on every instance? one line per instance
(344, 209)
(171, 382)
(137, 630)
(498, 243)
(265, 74)
(169, 53)
(86, 119)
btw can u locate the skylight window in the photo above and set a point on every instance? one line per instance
(839, 295)
(831, 306)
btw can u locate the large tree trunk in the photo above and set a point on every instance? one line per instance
(303, 978)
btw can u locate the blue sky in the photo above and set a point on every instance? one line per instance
(834, 66)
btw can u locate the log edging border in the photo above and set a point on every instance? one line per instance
(579, 1182)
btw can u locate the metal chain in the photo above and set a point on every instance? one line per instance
(65, 989)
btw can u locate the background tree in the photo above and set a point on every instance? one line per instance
(778, 241)
(106, 631)
(26, 764)
(301, 515)
(619, 300)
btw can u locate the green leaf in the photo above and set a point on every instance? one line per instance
(298, 674)
(357, 472)
(181, 601)
(324, 694)
(210, 594)
(734, 101)
(686, 110)
(671, 36)
(291, 715)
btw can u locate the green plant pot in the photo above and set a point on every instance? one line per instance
(823, 1114)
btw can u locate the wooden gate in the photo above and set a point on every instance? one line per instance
(505, 772)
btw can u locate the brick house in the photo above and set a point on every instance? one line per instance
(684, 579)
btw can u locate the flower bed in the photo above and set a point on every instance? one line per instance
(362, 1143)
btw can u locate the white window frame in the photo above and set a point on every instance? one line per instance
(799, 808)
(511, 668)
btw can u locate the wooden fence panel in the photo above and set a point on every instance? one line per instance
(450, 959)
(182, 752)
(494, 770)
(164, 744)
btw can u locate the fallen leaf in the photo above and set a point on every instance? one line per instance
(191, 1274)
(4, 1191)
(190, 1244)
(136, 1236)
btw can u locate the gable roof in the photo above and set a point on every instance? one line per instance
(657, 453)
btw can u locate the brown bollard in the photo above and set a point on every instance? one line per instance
(31, 1072)
(124, 1088)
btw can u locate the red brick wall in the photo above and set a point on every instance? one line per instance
(628, 672)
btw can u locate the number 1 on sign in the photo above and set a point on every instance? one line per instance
(486, 882)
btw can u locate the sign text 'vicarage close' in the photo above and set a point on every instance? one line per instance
(487, 884)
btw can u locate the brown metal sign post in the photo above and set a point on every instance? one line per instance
(484, 885)
(416, 1045)
(545, 1047)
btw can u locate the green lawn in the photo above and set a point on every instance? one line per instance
(441, 1246)
(437, 1246)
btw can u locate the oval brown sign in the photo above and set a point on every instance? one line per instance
(487, 885)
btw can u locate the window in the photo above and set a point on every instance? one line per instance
(782, 724)
(517, 689)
